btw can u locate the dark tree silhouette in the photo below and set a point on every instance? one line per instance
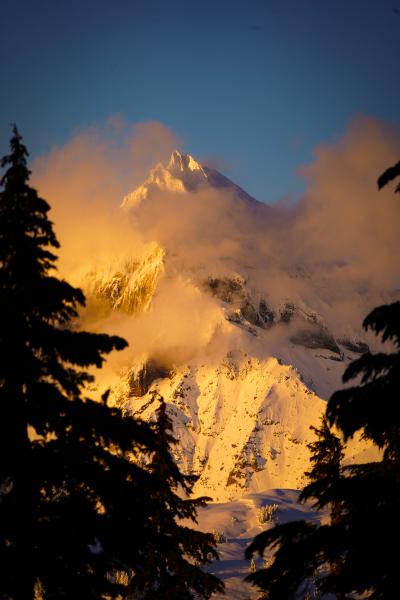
(175, 551)
(73, 505)
(390, 174)
(296, 561)
(354, 553)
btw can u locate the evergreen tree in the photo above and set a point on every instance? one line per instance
(359, 542)
(390, 174)
(326, 457)
(175, 551)
(296, 563)
(72, 503)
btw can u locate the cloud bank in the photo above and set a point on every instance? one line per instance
(335, 250)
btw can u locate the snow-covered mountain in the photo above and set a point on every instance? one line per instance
(244, 344)
(182, 174)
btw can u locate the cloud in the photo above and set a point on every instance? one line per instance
(85, 180)
(335, 251)
(345, 232)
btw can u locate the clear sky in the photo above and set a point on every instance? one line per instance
(255, 83)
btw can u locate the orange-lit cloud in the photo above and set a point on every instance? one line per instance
(85, 180)
(335, 250)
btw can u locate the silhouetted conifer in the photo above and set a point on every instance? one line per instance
(175, 552)
(390, 174)
(326, 458)
(73, 505)
(296, 561)
(353, 556)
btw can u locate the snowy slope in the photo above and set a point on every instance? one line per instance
(239, 522)
(242, 424)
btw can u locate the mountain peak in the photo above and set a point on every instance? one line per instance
(183, 173)
(184, 162)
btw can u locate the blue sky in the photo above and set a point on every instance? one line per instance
(256, 83)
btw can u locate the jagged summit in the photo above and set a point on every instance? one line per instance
(184, 162)
(183, 173)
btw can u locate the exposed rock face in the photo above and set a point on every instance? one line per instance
(266, 314)
(250, 314)
(263, 317)
(228, 290)
(355, 346)
(140, 382)
(130, 285)
(287, 313)
(233, 291)
(316, 337)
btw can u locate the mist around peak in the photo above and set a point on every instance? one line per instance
(333, 254)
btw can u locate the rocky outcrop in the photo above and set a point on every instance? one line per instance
(141, 381)
(229, 290)
(128, 285)
(316, 337)
(355, 346)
